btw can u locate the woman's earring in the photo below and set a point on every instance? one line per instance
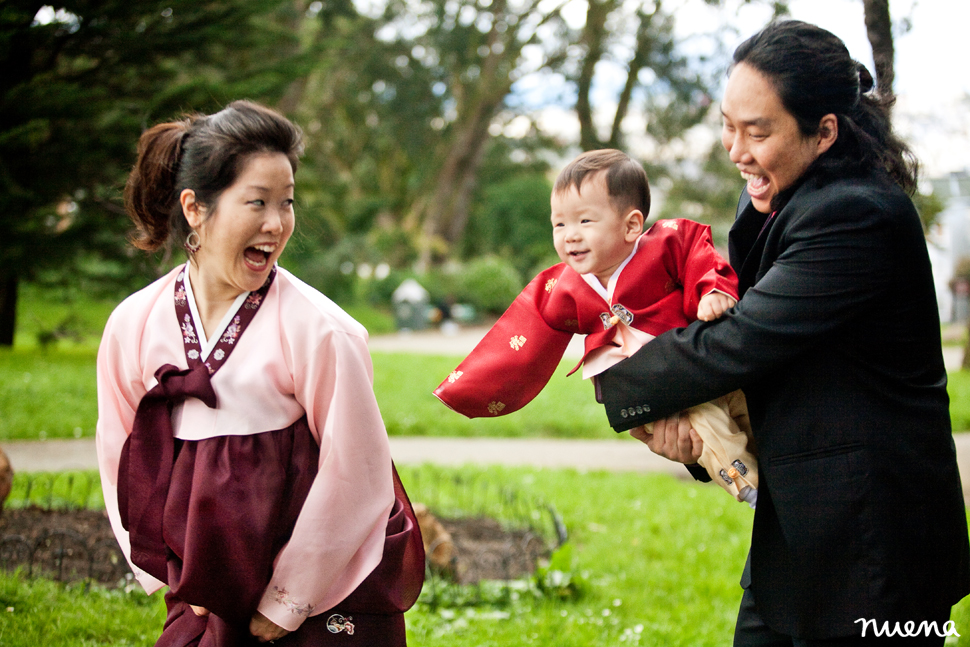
(193, 243)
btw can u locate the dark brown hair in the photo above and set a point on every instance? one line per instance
(814, 75)
(202, 153)
(626, 181)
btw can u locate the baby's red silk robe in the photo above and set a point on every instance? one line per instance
(659, 288)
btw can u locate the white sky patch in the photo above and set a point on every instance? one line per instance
(932, 80)
(932, 66)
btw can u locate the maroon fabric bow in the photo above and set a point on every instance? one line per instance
(146, 462)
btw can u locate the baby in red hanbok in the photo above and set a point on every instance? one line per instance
(620, 287)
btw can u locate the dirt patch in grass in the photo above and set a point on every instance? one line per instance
(485, 550)
(65, 545)
(70, 545)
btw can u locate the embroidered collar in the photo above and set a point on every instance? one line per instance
(214, 351)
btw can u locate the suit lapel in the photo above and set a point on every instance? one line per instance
(746, 242)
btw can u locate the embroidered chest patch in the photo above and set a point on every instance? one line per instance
(337, 623)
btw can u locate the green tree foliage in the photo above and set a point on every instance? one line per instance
(421, 147)
(459, 60)
(80, 80)
(674, 94)
(513, 222)
(706, 191)
(410, 107)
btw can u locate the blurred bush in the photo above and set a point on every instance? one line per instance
(489, 283)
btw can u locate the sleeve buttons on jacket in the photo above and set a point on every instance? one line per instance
(633, 411)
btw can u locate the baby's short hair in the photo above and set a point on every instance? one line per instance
(626, 181)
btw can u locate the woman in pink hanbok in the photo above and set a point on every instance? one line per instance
(243, 457)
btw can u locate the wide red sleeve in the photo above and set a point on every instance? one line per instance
(698, 266)
(516, 358)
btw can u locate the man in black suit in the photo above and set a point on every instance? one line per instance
(836, 344)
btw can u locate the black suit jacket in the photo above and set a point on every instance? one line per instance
(836, 343)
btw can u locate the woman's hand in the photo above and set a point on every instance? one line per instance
(672, 438)
(264, 629)
(199, 611)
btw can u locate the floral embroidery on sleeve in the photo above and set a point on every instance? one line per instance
(495, 408)
(283, 597)
(669, 224)
(517, 342)
(454, 376)
(550, 284)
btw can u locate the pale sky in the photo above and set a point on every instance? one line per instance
(932, 68)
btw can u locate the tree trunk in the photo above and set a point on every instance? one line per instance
(8, 308)
(879, 29)
(592, 40)
(637, 62)
(447, 211)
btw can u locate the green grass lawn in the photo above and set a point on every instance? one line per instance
(403, 383)
(958, 387)
(52, 394)
(660, 558)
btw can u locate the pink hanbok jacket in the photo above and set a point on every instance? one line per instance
(301, 355)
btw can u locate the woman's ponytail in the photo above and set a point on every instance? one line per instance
(151, 198)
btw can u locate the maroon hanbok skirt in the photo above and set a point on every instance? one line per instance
(231, 506)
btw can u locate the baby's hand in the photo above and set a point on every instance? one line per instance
(713, 305)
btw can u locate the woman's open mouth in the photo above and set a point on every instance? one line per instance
(257, 256)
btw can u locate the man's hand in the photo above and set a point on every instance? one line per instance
(264, 629)
(673, 439)
(713, 305)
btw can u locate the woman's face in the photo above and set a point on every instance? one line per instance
(251, 224)
(763, 139)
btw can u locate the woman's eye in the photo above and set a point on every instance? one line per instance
(257, 203)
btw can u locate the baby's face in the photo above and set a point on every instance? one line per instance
(589, 235)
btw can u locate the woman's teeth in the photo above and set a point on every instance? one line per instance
(258, 255)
